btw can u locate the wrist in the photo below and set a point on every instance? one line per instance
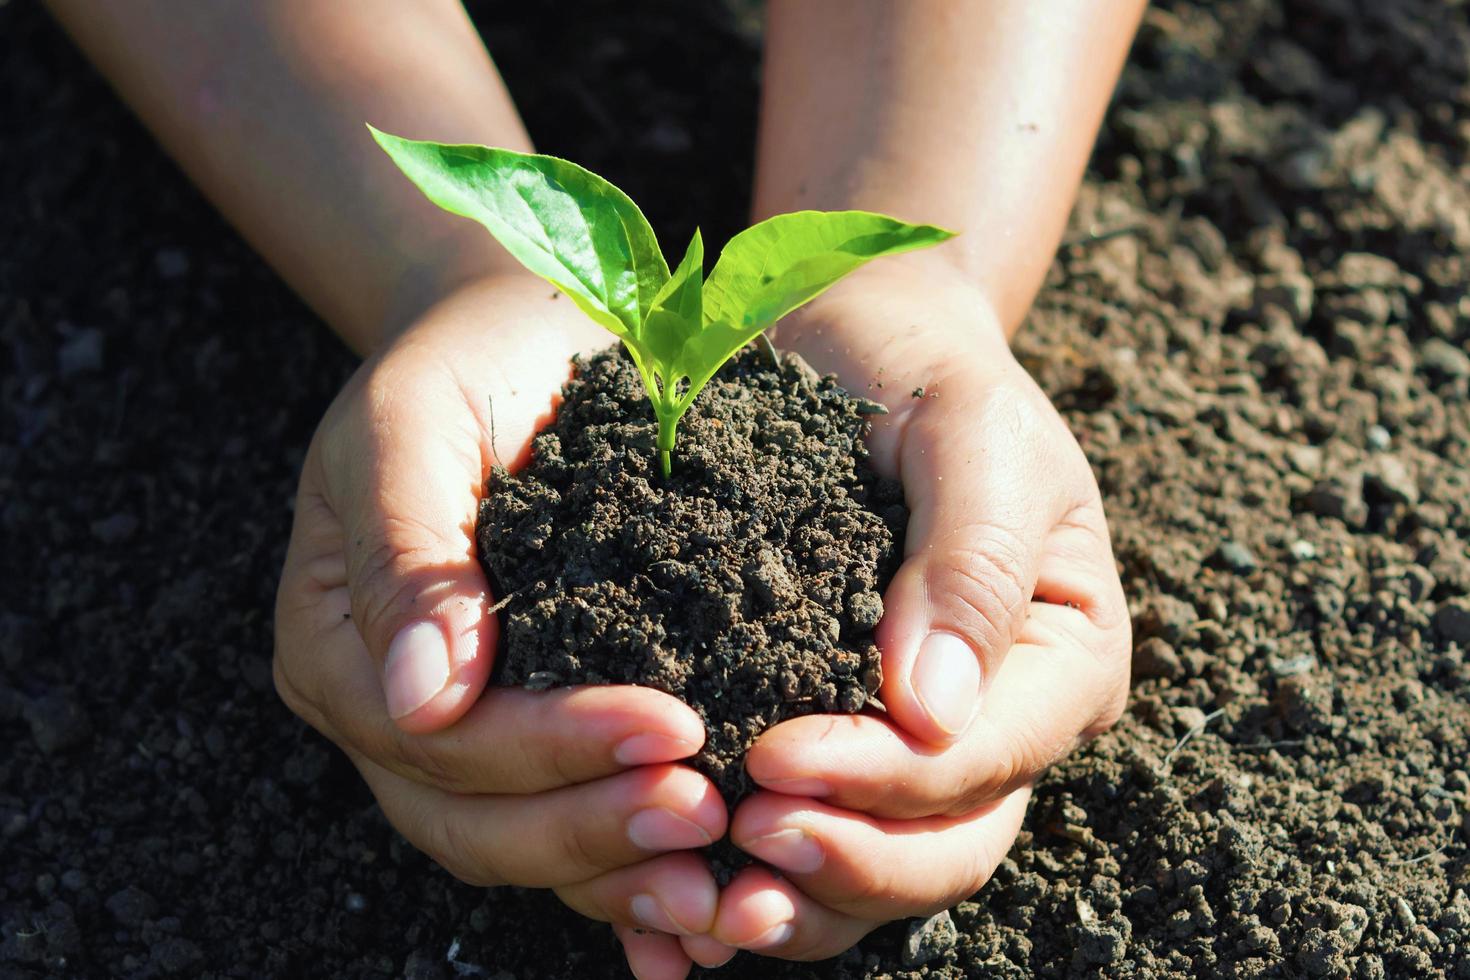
(511, 307)
(895, 296)
(431, 285)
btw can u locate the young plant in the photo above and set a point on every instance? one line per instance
(589, 240)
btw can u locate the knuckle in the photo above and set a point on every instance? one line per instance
(285, 689)
(578, 848)
(1002, 775)
(1112, 709)
(427, 757)
(1023, 753)
(388, 576)
(294, 697)
(462, 852)
(871, 886)
(986, 579)
(549, 758)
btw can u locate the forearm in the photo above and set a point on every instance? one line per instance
(977, 115)
(263, 104)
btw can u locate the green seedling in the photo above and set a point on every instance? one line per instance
(589, 240)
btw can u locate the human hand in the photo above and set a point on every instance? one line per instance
(384, 640)
(1005, 636)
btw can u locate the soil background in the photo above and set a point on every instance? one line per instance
(1258, 329)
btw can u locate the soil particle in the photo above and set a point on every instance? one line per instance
(57, 723)
(1238, 558)
(1452, 621)
(1155, 658)
(81, 354)
(748, 584)
(131, 906)
(929, 939)
(1446, 360)
(176, 955)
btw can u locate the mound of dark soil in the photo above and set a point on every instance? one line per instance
(748, 584)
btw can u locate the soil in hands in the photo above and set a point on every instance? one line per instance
(747, 584)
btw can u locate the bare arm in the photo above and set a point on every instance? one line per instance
(978, 116)
(263, 105)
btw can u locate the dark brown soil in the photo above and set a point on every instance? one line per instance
(747, 584)
(1259, 333)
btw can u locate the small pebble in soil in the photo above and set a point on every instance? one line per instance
(81, 354)
(116, 529)
(57, 723)
(131, 907)
(1379, 438)
(1237, 557)
(1287, 666)
(1156, 658)
(1445, 359)
(1303, 550)
(1340, 497)
(864, 609)
(1388, 479)
(171, 263)
(928, 939)
(1452, 621)
(354, 902)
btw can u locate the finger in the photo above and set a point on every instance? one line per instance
(402, 459)
(554, 838)
(770, 916)
(1060, 684)
(874, 869)
(674, 895)
(652, 955)
(510, 741)
(980, 467)
(706, 951)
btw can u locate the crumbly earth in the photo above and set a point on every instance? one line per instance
(1258, 330)
(747, 584)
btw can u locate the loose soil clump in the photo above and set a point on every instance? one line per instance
(748, 584)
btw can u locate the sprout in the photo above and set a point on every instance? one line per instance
(589, 240)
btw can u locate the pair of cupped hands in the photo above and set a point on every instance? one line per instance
(1005, 637)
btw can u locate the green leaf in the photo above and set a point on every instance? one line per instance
(676, 315)
(564, 223)
(770, 269)
(587, 238)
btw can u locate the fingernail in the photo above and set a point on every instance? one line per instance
(946, 680)
(797, 787)
(642, 750)
(652, 915)
(417, 667)
(774, 936)
(660, 829)
(791, 850)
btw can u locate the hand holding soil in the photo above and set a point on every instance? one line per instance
(1005, 636)
(384, 640)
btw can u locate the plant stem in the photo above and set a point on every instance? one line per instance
(668, 424)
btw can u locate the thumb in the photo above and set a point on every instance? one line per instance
(405, 458)
(981, 506)
(402, 466)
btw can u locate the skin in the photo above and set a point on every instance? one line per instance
(975, 116)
